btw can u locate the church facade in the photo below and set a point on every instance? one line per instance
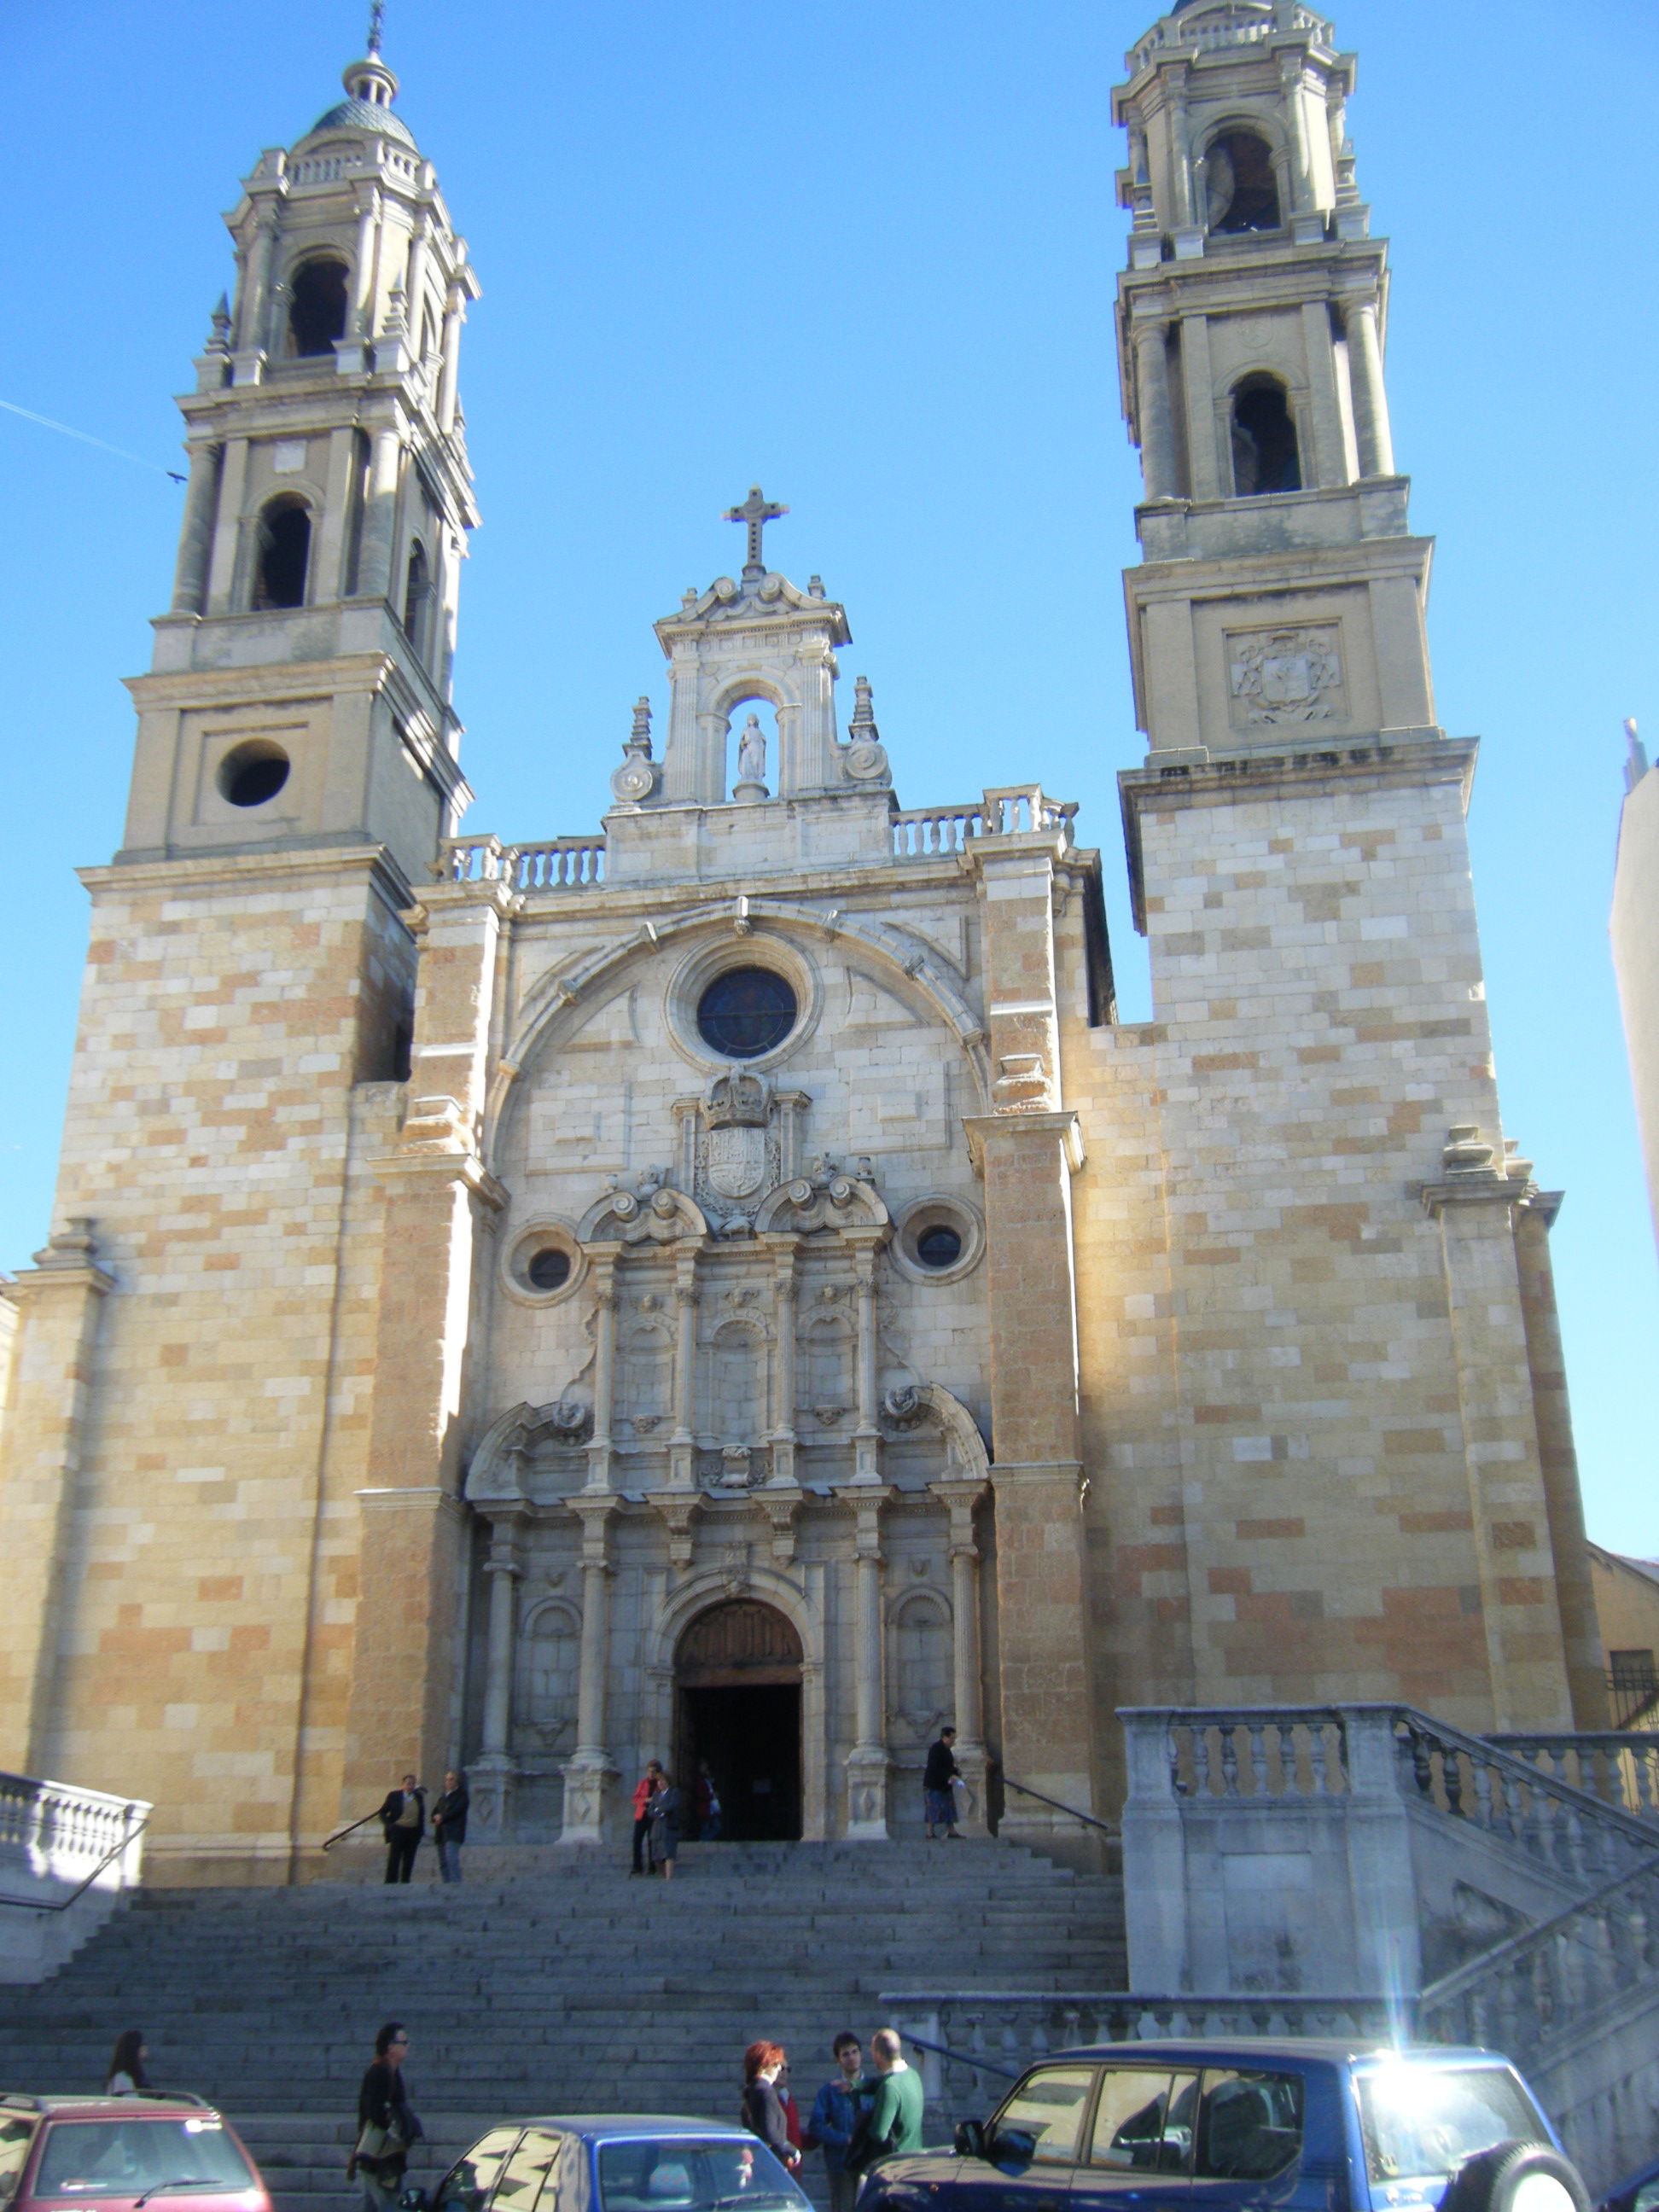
(729, 1286)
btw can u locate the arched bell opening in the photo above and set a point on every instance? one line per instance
(1266, 456)
(1239, 189)
(736, 1703)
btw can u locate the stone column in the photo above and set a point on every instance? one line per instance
(1475, 1206)
(866, 1763)
(1028, 1151)
(1289, 71)
(591, 1771)
(363, 304)
(440, 1206)
(1370, 400)
(1156, 422)
(42, 1444)
(454, 316)
(1181, 151)
(252, 306)
(866, 1438)
(604, 1369)
(379, 522)
(959, 1496)
(682, 1445)
(1564, 1505)
(492, 1776)
(226, 541)
(783, 1373)
(196, 538)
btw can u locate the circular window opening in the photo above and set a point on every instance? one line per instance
(746, 1011)
(939, 1246)
(549, 1270)
(251, 774)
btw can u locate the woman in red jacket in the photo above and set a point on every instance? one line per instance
(644, 1790)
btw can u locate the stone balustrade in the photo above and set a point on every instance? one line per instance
(1360, 1847)
(990, 2036)
(56, 1840)
(553, 864)
(1619, 1766)
(925, 832)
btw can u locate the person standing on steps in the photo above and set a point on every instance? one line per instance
(939, 1779)
(667, 1809)
(709, 1820)
(763, 2114)
(385, 2125)
(449, 1824)
(834, 2119)
(892, 2125)
(402, 1821)
(644, 1790)
(127, 2077)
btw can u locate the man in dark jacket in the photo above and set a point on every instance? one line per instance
(936, 1777)
(402, 1821)
(449, 1825)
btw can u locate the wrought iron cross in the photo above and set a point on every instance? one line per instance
(376, 25)
(757, 511)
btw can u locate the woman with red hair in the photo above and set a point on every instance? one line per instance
(763, 2113)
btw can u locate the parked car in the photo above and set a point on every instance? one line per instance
(613, 2162)
(121, 2154)
(1636, 2192)
(1246, 2125)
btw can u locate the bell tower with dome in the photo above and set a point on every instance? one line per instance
(246, 1012)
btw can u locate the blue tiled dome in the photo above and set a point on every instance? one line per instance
(365, 115)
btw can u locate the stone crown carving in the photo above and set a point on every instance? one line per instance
(739, 1100)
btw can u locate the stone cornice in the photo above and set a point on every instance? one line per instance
(983, 1128)
(1301, 766)
(197, 870)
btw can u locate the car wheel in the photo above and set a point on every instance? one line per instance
(1516, 2177)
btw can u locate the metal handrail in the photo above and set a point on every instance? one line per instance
(340, 1834)
(960, 2057)
(1089, 1820)
(63, 1905)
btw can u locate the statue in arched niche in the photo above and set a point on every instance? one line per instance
(751, 753)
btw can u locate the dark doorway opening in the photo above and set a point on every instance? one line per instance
(751, 1739)
(738, 1675)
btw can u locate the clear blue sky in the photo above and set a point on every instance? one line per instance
(865, 255)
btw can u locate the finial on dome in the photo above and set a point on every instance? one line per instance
(370, 79)
(376, 27)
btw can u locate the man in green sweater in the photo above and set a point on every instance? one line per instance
(891, 2120)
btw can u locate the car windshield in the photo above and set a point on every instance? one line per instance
(125, 2157)
(685, 2173)
(1420, 2121)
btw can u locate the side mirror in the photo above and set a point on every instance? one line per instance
(1013, 2147)
(970, 2139)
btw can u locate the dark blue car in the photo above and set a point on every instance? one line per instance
(613, 2162)
(1246, 2125)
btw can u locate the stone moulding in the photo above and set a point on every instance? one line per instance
(551, 1002)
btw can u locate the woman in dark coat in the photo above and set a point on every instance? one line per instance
(663, 1837)
(763, 2113)
(383, 2107)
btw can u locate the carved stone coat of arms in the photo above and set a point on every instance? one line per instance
(1285, 676)
(734, 1161)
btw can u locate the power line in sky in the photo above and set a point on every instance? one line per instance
(87, 439)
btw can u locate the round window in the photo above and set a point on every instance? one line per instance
(746, 1011)
(251, 774)
(550, 1270)
(939, 1246)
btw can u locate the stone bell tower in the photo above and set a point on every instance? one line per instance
(195, 1338)
(1360, 1292)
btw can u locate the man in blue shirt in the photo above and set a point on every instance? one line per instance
(834, 2117)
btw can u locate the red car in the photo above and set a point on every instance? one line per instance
(120, 2153)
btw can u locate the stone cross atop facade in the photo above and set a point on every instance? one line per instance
(757, 511)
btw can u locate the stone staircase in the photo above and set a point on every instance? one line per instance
(568, 1987)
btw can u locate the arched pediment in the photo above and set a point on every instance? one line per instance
(494, 1476)
(964, 1447)
(555, 1008)
(642, 1218)
(826, 1199)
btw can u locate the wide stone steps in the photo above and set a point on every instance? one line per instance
(559, 1984)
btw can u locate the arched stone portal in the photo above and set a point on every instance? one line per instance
(736, 1703)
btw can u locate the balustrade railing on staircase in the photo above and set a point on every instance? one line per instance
(1620, 1766)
